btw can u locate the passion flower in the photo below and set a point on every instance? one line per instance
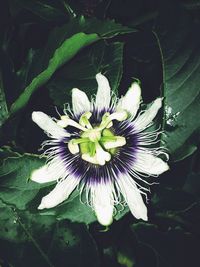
(101, 145)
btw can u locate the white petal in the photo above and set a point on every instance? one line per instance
(102, 202)
(103, 92)
(131, 101)
(49, 173)
(133, 197)
(42, 175)
(146, 118)
(48, 125)
(80, 102)
(60, 193)
(149, 164)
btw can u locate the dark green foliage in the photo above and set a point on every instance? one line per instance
(46, 49)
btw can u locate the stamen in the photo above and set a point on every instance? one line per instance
(84, 120)
(80, 141)
(65, 121)
(107, 119)
(73, 148)
(119, 142)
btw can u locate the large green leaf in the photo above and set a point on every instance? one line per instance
(76, 210)
(72, 209)
(15, 187)
(61, 55)
(40, 241)
(104, 29)
(180, 51)
(81, 71)
(35, 234)
(70, 39)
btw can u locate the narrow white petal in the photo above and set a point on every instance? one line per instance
(150, 164)
(102, 201)
(147, 117)
(133, 197)
(131, 101)
(80, 102)
(51, 172)
(60, 193)
(48, 125)
(103, 92)
(42, 175)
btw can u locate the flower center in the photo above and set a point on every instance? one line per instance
(97, 143)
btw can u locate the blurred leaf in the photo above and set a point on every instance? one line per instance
(181, 67)
(73, 246)
(24, 72)
(125, 260)
(3, 105)
(64, 53)
(11, 229)
(166, 199)
(15, 189)
(173, 247)
(81, 71)
(9, 80)
(46, 9)
(40, 241)
(192, 184)
(174, 207)
(103, 28)
(65, 47)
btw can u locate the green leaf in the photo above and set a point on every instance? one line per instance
(11, 230)
(73, 245)
(81, 71)
(181, 67)
(76, 210)
(40, 241)
(15, 187)
(104, 29)
(64, 53)
(18, 191)
(72, 209)
(71, 38)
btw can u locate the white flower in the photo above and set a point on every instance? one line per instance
(102, 146)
